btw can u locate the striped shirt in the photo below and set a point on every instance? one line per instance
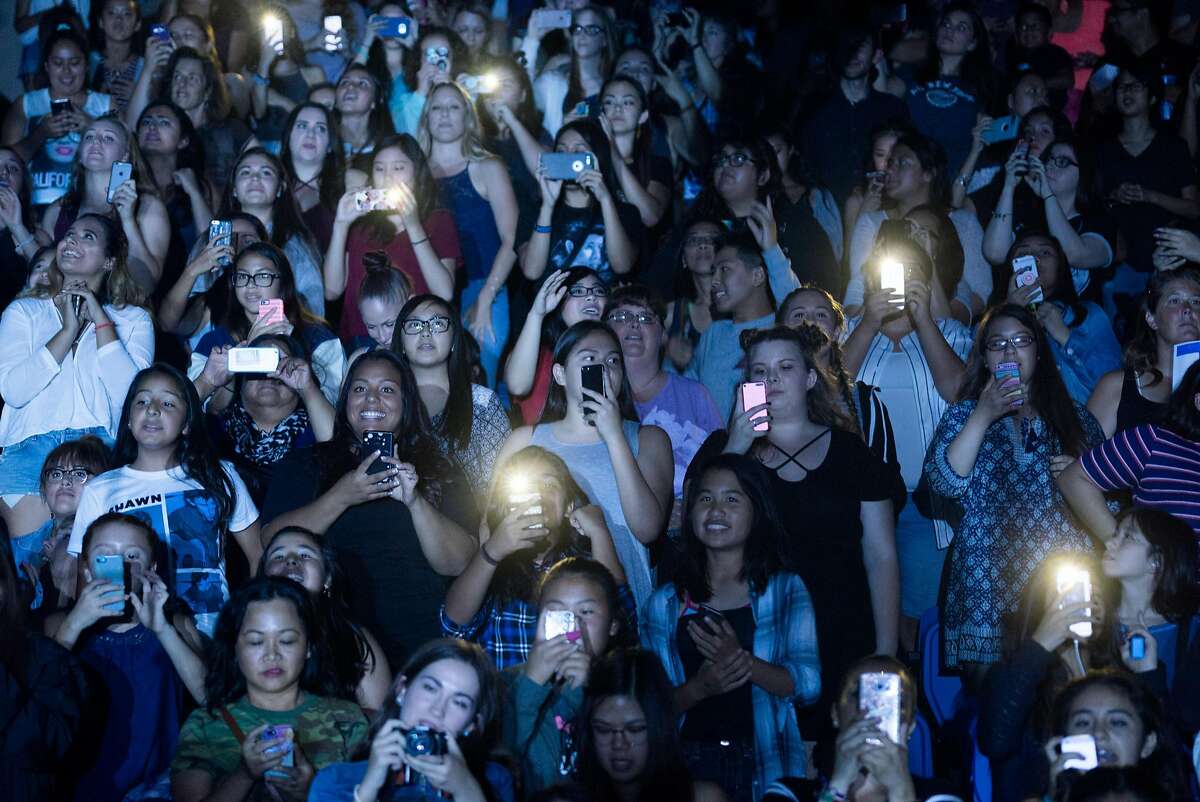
(1160, 467)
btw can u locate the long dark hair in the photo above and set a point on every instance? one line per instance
(597, 142)
(641, 137)
(761, 558)
(526, 111)
(376, 225)
(554, 326)
(189, 155)
(1141, 354)
(234, 319)
(638, 674)
(458, 413)
(195, 452)
(379, 119)
(333, 166)
(286, 221)
(1173, 550)
(977, 69)
(224, 683)
(1182, 416)
(556, 398)
(345, 648)
(1047, 391)
(711, 204)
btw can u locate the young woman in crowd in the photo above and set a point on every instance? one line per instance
(473, 25)
(259, 185)
(141, 656)
(419, 239)
(583, 222)
(359, 101)
(271, 413)
(118, 22)
(537, 517)
(565, 298)
(475, 187)
(1139, 391)
(1153, 461)
(383, 292)
(644, 177)
(16, 221)
(174, 161)
(867, 196)
(691, 313)
(357, 659)
(629, 738)
(400, 526)
(467, 418)
(265, 698)
(260, 274)
(798, 186)
(511, 127)
(170, 477)
(45, 688)
(45, 140)
(998, 450)
(39, 269)
(451, 687)
(311, 153)
(281, 80)
(675, 129)
(592, 46)
(135, 204)
(1080, 334)
(435, 59)
(623, 467)
(736, 633)
(821, 473)
(51, 355)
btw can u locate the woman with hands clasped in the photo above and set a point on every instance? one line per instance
(736, 633)
(646, 178)
(134, 203)
(141, 655)
(448, 688)
(998, 451)
(267, 698)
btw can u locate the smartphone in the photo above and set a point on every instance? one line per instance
(561, 622)
(333, 27)
(1026, 272)
(160, 32)
(521, 495)
(253, 360)
(273, 32)
(755, 394)
(270, 310)
(374, 200)
(1082, 745)
(1137, 647)
(110, 568)
(567, 166)
(121, 172)
(592, 377)
(1008, 370)
(220, 232)
(60, 106)
(582, 109)
(274, 733)
(1002, 129)
(1075, 586)
(891, 277)
(879, 698)
(393, 27)
(550, 18)
(384, 443)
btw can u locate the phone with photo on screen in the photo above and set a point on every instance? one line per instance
(754, 394)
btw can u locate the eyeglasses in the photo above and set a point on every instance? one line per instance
(634, 734)
(188, 79)
(1061, 162)
(1017, 341)
(435, 325)
(700, 241)
(259, 279)
(590, 30)
(623, 317)
(732, 159)
(580, 291)
(77, 475)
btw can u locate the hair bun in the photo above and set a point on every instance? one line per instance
(376, 260)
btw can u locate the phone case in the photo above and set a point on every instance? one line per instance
(110, 568)
(551, 18)
(566, 166)
(1025, 272)
(221, 233)
(592, 377)
(253, 360)
(559, 622)
(381, 442)
(270, 311)
(121, 172)
(393, 27)
(891, 276)
(755, 394)
(879, 698)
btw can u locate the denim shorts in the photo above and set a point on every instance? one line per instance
(21, 463)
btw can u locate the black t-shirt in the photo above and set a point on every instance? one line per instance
(1164, 166)
(577, 237)
(730, 715)
(392, 589)
(837, 136)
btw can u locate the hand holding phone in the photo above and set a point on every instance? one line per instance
(120, 173)
(1074, 586)
(270, 311)
(384, 443)
(754, 394)
(566, 166)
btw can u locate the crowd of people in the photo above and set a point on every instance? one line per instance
(611, 401)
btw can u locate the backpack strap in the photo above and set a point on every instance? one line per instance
(232, 724)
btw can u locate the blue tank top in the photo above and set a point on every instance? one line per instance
(477, 233)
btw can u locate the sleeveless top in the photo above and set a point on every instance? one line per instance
(54, 161)
(1134, 408)
(592, 468)
(477, 233)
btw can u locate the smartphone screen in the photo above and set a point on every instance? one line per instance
(879, 698)
(592, 377)
(1084, 745)
(1137, 647)
(381, 442)
(1075, 586)
(755, 394)
(333, 27)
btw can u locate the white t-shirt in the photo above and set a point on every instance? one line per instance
(185, 517)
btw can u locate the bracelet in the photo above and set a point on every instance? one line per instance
(487, 558)
(22, 244)
(106, 325)
(418, 242)
(541, 229)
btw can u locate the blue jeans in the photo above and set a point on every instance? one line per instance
(489, 351)
(920, 561)
(21, 463)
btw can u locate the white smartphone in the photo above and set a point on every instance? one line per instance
(253, 360)
(879, 698)
(1083, 745)
(560, 622)
(891, 277)
(1075, 586)
(333, 27)
(1025, 271)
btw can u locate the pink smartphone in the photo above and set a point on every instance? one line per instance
(755, 394)
(270, 311)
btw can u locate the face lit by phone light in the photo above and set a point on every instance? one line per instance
(781, 366)
(443, 696)
(118, 538)
(535, 477)
(373, 398)
(427, 348)
(597, 348)
(103, 143)
(297, 556)
(158, 413)
(392, 168)
(620, 733)
(587, 600)
(1005, 328)
(251, 296)
(272, 646)
(1127, 555)
(1108, 715)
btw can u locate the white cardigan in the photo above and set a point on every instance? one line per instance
(89, 387)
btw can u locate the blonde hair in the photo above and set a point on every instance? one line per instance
(142, 177)
(472, 141)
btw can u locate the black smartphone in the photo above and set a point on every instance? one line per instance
(592, 377)
(383, 443)
(60, 106)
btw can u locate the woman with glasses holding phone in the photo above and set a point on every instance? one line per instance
(592, 46)
(998, 450)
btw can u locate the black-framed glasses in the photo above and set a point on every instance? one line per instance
(435, 325)
(580, 291)
(77, 475)
(736, 159)
(623, 317)
(1017, 341)
(590, 30)
(263, 279)
(1062, 162)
